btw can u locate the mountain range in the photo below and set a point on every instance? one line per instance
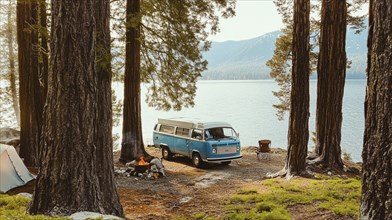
(246, 59)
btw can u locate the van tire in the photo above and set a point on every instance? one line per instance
(166, 153)
(196, 160)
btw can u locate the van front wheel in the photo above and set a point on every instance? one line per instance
(196, 160)
(166, 153)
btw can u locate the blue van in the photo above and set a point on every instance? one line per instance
(203, 142)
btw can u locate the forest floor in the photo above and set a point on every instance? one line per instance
(190, 193)
(187, 191)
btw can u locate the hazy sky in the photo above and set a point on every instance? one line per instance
(253, 18)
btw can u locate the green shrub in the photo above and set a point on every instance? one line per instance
(346, 156)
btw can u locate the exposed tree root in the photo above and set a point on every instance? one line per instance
(320, 166)
(288, 174)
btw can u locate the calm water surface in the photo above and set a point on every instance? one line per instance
(247, 105)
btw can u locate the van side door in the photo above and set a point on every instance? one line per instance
(182, 140)
(165, 136)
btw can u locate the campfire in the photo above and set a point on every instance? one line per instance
(141, 161)
(141, 165)
(148, 168)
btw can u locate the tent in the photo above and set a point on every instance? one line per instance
(13, 172)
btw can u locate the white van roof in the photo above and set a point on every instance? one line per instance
(192, 123)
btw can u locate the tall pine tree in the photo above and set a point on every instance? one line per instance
(77, 172)
(170, 36)
(298, 134)
(376, 201)
(331, 74)
(132, 138)
(31, 89)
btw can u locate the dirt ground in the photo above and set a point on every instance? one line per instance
(186, 190)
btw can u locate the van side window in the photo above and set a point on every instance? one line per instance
(197, 134)
(167, 129)
(182, 132)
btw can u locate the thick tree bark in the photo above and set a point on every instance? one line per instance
(104, 156)
(71, 178)
(331, 73)
(376, 201)
(298, 134)
(43, 51)
(30, 90)
(132, 138)
(11, 59)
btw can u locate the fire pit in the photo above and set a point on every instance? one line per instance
(146, 168)
(141, 168)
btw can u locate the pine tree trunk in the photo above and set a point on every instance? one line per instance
(298, 134)
(43, 52)
(331, 73)
(30, 91)
(376, 201)
(132, 139)
(11, 59)
(104, 156)
(76, 174)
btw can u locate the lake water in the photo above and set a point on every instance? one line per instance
(247, 106)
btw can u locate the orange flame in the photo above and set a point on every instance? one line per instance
(142, 162)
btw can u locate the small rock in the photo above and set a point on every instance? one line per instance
(26, 195)
(119, 171)
(185, 199)
(131, 164)
(208, 179)
(329, 173)
(91, 215)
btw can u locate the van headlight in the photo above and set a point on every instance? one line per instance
(238, 148)
(214, 148)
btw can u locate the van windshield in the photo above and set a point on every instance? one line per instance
(220, 133)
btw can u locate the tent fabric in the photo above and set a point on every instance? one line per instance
(13, 172)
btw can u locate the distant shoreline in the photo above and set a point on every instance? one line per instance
(244, 80)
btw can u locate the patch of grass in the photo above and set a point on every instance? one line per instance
(200, 215)
(14, 207)
(265, 206)
(235, 208)
(210, 218)
(247, 191)
(179, 218)
(340, 196)
(278, 213)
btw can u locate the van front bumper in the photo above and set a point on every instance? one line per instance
(222, 159)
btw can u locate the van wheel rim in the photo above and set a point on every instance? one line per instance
(196, 160)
